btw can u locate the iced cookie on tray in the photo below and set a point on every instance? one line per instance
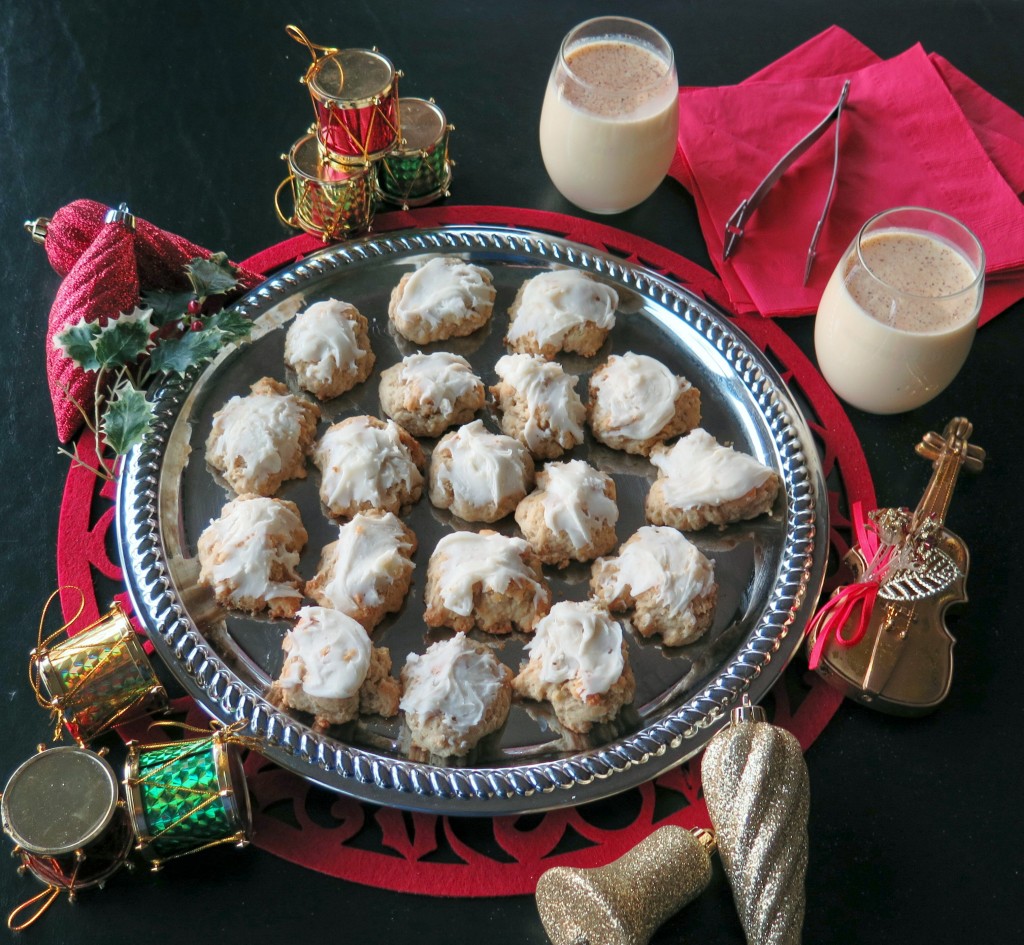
(428, 393)
(539, 404)
(579, 663)
(664, 579)
(328, 348)
(332, 670)
(261, 440)
(366, 573)
(445, 298)
(453, 695)
(366, 463)
(485, 580)
(249, 553)
(571, 515)
(636, 402)
(562, 310)
(479, 475)
(700, 483)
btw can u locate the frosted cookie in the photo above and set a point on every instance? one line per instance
(479, 475)
(248, 555)
(665, 579)
(366, 573)
(702, 483)
(453, 695)
(366, 463)
(485, 580)
(261, 440)
(563, 310)
(578, 663)
(636, 403)
(539, 404)
(571, 515)
(427, 393)
(332, 671)
(446, 298)
(328, 348)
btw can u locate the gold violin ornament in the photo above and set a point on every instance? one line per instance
(883, 640)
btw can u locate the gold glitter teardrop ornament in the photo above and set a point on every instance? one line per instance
(757, 791)
(624, 902)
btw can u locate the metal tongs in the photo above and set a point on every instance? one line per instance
(735, 224)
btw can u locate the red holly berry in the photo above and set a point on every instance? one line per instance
(197, 325)
(195, 307)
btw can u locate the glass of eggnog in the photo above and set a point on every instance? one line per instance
(610, 117)
(899, 314)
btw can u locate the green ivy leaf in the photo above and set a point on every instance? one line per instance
(232, 325)
(121, 342)
(76, 342)
(126, 418)
(177, 355)
(167, 306)
(213, 276)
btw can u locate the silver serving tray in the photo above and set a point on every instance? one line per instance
(769, 570)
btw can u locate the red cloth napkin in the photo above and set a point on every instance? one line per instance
(915, 131)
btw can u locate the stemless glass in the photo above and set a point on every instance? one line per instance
(610, 117)
(897, 318)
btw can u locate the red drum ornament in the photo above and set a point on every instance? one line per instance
(61, 808)
(355, 99)
(96, 679)
(418, 171)
(327, 202)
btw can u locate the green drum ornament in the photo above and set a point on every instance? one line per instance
(418, 171)
(327, 201)
(187, 796)
(98, 678)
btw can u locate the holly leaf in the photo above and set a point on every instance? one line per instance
(213, 276)
(76, 342)
(232, 325)
(126, 418)
(167, 306)
(177, 355)
(123, 340)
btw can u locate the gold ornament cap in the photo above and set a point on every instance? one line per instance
(746, 711)
(626, 901)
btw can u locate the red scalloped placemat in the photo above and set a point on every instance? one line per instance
(449, 856)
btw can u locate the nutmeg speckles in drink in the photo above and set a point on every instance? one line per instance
(925, 270)
(615, 77)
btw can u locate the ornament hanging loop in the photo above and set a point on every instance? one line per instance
(315, 49)
(37, 229)
(45, 899)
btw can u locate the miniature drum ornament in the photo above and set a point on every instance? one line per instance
(100, 677)
(328, 202)
(355, 98)
(186, 796)
(61, 809)
(418, 171)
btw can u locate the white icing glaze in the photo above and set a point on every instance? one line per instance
(658, 557)
(555, 302)
(638, 394)
(574, 502)
(250, 537)
(464, 559)
(330, 654)
(453, 679)
(549, 393)
(324, 338)
(444, 289)
(366, 558)
(440, 378)
(260, 429)
(485, 467)
(700, 471)
(580, 641)
(360, 462)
